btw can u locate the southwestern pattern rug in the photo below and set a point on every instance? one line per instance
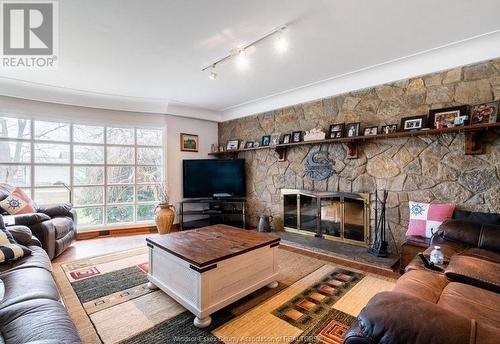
(108, 299)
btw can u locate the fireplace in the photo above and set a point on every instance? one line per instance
(339, 216)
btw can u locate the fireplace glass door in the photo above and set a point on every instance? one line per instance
(290, 216)
(308, 213)
(331, 216)
(354, 219)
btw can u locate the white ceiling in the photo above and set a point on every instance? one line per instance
(147, 55)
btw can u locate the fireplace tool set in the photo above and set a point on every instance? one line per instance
(379, 246)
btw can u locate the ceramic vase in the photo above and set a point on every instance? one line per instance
(164, 217)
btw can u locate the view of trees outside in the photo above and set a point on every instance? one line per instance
(113, 173)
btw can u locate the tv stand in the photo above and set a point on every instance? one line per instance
(201, 212)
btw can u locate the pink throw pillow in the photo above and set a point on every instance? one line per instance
(425, 218)
(18, 203)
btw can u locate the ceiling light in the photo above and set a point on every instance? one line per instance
(242, 60)
(213, 73)
(281, 42)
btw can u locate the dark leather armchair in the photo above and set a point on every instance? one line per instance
(54, 225)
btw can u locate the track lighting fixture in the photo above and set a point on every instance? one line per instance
(240, 52)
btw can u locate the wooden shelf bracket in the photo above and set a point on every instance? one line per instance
(474, 142)
(352, 150)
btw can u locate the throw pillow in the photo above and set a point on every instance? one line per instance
(10, 250)
(425, 218)
(18, 203)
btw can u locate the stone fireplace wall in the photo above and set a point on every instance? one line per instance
(426, 168)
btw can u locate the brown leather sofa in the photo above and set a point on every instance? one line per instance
(458, 305)
(30, 306)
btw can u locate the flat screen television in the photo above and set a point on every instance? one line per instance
(206, 177)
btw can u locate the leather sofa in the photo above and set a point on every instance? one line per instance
(30, 307)
(460, 304)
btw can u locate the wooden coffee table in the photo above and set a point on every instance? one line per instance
(209, 268)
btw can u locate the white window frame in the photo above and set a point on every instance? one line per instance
(71, 143)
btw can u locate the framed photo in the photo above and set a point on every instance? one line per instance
(256, 144)
(336, 130)
(485, 113)
(413, 123)
(275, 139)
(297, 136)
(286, 138)
(266, 140)
(189, 142)
(249, 144)
(389, 129)
(352, 129)
(370, 131)
(232, 145)
(448, 117)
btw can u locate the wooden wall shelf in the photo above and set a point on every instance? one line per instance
(473, 141)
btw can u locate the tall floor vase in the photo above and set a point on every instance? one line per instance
(164, 217)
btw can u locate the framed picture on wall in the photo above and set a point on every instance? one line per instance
(189, 142)
(232, 145)
(448, 117)
(286, 138)
(297, 136)
(336, 130)
(266, 140)
(389, 129)
(485, 113)
(413, 123)
(352, 129)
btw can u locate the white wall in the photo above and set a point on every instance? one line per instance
(173, 126)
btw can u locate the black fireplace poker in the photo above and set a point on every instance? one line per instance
(379, 246)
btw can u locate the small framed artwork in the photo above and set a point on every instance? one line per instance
(297, 136)
(266, 140)
(189, 142)
(389, 129)
(275, 139)
(413, 123)
(485, 113)
(232, 145)
(336, 130)
(256, 144)
(249, 144)
(448, 117)
(370, 131)
(286, 138)
(352, 129)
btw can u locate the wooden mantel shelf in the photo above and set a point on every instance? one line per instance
(473, 140)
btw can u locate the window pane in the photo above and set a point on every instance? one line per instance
(89, 216)
(17, 175)
(11, 151)
(121, 155)
(149, 156)
(121, 175)
(51, 175)
(121, 213)
(149, 137)
(52, 153)
(51, 131)
(28, 191)
(88, 134)
(15, 128)
(85, 175)
(120, 136)
(51, 195)
(88, 154)
(88, 195)
(148, 174)
(145, 212)
(147, 193)
(120, 194)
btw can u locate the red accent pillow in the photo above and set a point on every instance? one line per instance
(425, 218)
(18, 203)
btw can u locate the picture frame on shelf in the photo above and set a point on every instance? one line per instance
(370, 131)
(189, 142)
(389, 129)
(248, 144)
(483, 113)
(448, 117)
(296, 136)
(352, 129)
(275, 140)
(413, 123)
(256, 144)
(336, 130)
(286, 138)
(266, 140)
(232, 145)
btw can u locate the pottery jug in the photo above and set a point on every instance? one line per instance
(164, 217)
(264, 223)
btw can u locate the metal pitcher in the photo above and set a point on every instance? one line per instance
(264, 223)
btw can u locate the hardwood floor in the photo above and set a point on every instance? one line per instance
(102, 245)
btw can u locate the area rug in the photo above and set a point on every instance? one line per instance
(108, 299)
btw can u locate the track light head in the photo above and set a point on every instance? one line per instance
(213, 73)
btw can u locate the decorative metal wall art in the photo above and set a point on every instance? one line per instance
(318, 166)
